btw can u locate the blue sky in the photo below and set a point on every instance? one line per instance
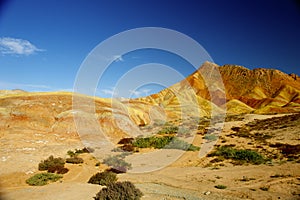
(44, 43)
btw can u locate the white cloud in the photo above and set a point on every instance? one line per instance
(118, 58)
(17, 46)
(144, 92)
(111, 92)
(135, 93)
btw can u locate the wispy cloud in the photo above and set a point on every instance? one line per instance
(29, 87)
(16, 46)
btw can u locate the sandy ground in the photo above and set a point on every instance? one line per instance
(188, 177)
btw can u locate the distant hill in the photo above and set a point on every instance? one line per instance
(236, 90)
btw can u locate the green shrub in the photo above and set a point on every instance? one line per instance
(221, 187)
(240, 155)
(156, 142)
(167, 142)
(43, 179)
(103, 178)
(117, 162)
(193, 148)
(51, 162)
(119, 191)
(74, 160)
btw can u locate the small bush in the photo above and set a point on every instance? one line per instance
(103, 178)
(117, 162)
(42, 179)
(127, 147)
(58, 170)
(116, 171)
(51, 162)
(71, 153)
(126, 141)
(84, 150)
(121, 191)
(264, 188)
(74, 160)
(222, 187)
(156, 142)
(193, 148)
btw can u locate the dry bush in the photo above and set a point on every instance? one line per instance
(103, 178)
(119, 191)
(51, 162)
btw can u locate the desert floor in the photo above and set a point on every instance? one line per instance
(190, 176)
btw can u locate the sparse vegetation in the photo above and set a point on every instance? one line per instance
(222, 187)
(120, 190)
(103, 178)
(43, 179)
(51, 162)
(240, 155)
